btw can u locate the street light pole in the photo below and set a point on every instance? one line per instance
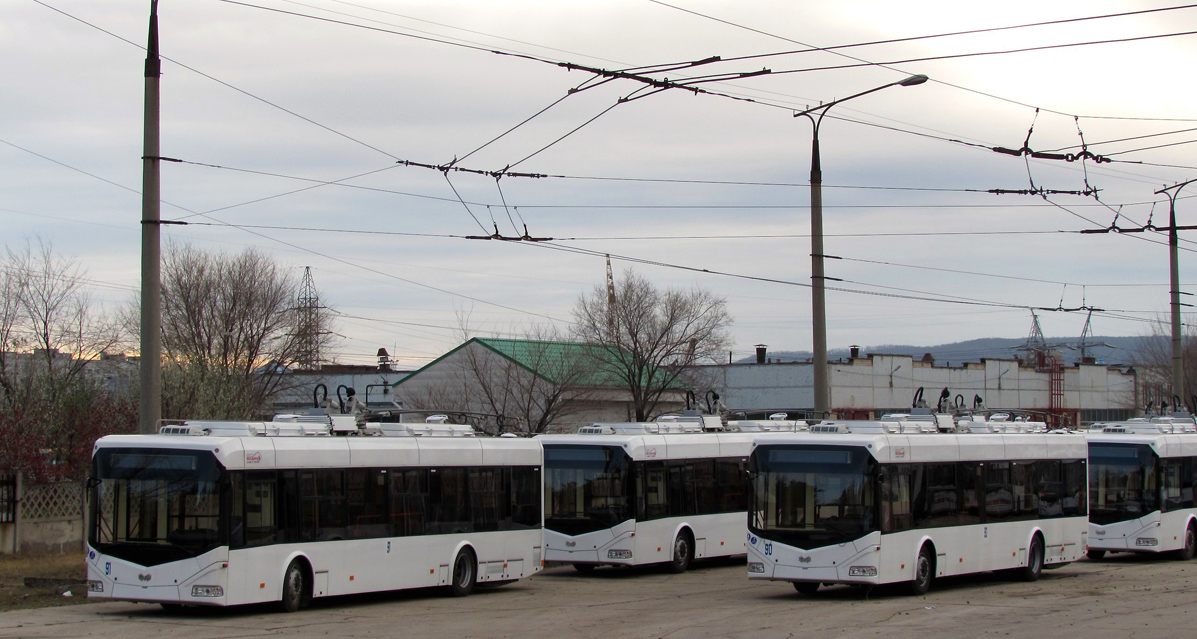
(1178, 353)
(822, 388)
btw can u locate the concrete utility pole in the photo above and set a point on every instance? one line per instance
(151, 241)
(1178, 353)
(822, 387)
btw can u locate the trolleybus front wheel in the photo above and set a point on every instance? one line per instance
(924, 572)
(1190, 548)
(807, 588)
(683, 552)
(584, 567)
(296, 595)
(1096, 555)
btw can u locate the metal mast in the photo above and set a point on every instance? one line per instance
(150, 408)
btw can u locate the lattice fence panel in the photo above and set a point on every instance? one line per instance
(52, 501)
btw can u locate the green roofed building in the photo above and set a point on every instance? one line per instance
(537, 386)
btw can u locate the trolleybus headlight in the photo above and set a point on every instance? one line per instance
(619, 554)
(95, 586)
(862, 571)
(207, 591)
(1147, 541)
(756, 567)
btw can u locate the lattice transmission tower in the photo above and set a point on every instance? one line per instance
(309, 329)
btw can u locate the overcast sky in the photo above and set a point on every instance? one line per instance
(322, 100)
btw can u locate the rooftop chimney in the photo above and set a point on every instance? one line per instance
(384, 360)
(761, 349)
(854, 350)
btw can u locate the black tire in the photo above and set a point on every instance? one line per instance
(683, 553)
(585, 567)
(1190, 547)
(1096, 555)
(1035, 555)
(296, 591)
(924, 572)
(806, 588)
(465, 573)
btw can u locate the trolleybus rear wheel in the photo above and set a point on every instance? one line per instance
(1096, 555)
(465, 573)
(584, 567)
(1034, 568)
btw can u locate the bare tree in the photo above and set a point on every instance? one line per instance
(51, 330)
(1153, 364)
(230, 332)
(511, 385)
(649, 337)
(49, 324)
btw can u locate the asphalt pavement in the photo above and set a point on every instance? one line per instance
(1123, 596)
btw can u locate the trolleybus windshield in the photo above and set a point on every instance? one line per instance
(812, 496)
(152, 506)
(1122, 482)
(588, 488)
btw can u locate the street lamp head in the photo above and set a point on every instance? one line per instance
(913, 80)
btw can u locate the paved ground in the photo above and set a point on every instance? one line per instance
(1122, 597)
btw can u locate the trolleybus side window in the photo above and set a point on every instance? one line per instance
(322, 504)
(999, 492)
(896, 509)
(409, 499)
(449, 497)
(289, 511)
(968, 480)
(1178, 483)
(485, 485)
(260, 523)
(1049, 479)
(1076, 489)
(938, 501)
(367, 492)
(654, 485)
(525, 486)
(733, 490)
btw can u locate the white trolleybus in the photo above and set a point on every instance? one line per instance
(1141, 482)
(225, 513)
(878, 502)
(664, 492)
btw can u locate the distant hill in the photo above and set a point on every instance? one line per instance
(1106, 350)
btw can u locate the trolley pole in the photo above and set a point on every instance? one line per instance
(151, 278)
